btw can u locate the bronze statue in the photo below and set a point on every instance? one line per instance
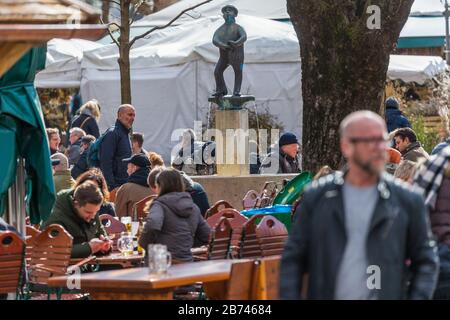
(229, 38)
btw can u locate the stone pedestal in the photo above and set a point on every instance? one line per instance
(232, 151)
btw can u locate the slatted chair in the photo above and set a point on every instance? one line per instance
(138, 208)
(266, 278)
(272, 235)
(12, 249)
(237, 221)
(51, 257)
(216, 208)
(31, 235)
(219, 244)
(114, 228)
(250, 200)
(249, 244)
(238, 287)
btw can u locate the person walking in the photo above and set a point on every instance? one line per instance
(355, 230)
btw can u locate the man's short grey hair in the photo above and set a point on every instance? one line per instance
(63, 162)
(356, 117)
(124, 107)
(78, 131)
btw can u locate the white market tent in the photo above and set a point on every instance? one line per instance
(415, 68)
(427, 8)
(272, 9)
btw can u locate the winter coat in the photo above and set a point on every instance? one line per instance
(197, 192)
(440, 146)
(115, 147)
(399, 231)
(395, 119)
(414, 152)
(175, 221)
(286, 164)
(74, 152)
(81, 166)
(131, 192)
(65, 214)
(86, 122)
(63, 180)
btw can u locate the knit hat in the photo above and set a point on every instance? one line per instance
(392, 103)
(139, 160)
(287, 138)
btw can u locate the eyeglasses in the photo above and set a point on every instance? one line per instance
(369, 140)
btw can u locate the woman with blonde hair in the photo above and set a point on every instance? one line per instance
(88, 117)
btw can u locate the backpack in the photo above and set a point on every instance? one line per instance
(93, 154)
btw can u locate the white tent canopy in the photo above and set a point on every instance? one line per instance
(423, 27)
(415, 68)
(427, 8)
(272, 9)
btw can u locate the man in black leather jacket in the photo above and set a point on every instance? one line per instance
(360, 234)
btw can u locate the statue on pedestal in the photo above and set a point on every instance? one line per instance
(229, 38)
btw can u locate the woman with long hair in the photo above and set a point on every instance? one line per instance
(89, 115)
(97, 177)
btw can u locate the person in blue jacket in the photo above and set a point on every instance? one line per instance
(116, 146)
(394, 117)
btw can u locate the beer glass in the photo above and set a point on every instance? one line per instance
(127, 222)
(159, 259)
(125, 244)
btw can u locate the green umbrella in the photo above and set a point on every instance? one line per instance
(22, 134)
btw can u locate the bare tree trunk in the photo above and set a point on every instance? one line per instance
(124, 52)
(105, 11)
(344, 65)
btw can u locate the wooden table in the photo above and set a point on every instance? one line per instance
(138, 284)
(116, 258)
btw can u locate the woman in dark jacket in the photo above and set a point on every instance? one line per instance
(88, 117)
(173, 219)
(97, 177)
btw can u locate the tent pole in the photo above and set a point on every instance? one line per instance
(20, 201)
(447, 34)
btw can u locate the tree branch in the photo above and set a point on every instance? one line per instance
(110, 33)
(168, 24)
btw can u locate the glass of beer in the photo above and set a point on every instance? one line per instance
(159, 259)
(125, 244)
(127, 222)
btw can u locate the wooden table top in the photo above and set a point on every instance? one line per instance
(139, 279)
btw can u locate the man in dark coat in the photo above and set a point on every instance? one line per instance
(116, 146)
(394, 117)
(355, 231)
(285, 157)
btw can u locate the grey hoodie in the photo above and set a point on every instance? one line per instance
(175, 221)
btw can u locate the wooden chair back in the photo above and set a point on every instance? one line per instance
(250, 200)
(266, 278)
(272, 235)
(11, 261)
(113, 228)
(219, 245)
(237, 221)
(249, 243)
(31, 234)
(138, 208)
(240, 284)
(216, 208)
(51, 254)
